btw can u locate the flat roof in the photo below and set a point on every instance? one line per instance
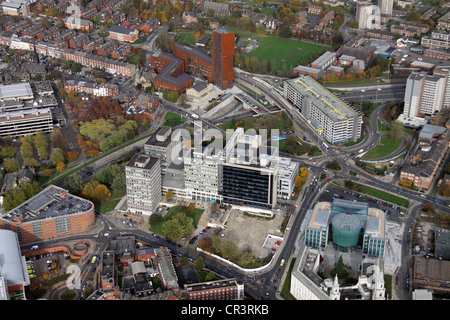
(51, 202)
(324, 99)
(146, 161)
(324, 58)
(321, 213)
(12, 91)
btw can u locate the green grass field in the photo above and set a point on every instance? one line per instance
(186, 37)
(289, 52)
(385, 148)
(173, 119)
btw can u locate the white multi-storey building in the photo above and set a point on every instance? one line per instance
(25, 122)
(287, 172)
(203, 173)
(368, 16)
(425, 95)
(143, 180)
(386, 6)
(333, 119)
(162, 145)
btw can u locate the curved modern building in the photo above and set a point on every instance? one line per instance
(347, 224)
(346, 229)
(52, 213)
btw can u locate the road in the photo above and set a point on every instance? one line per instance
(264, 284)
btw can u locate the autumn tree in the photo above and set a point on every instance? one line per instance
(57, 156)
(10, 165)
(48, 173)
(71, 155)
(60, 166)
(57, 139)
(169, 195)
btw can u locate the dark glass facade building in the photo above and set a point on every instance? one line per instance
(248, 186)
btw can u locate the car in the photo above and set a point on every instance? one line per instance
(34, 247)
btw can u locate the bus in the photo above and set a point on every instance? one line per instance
(282, 262)
(325, 145)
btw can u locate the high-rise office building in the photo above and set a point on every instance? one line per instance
(250, 173)
(143, 180)
(162, 146)
(203, 173)
(222, 57)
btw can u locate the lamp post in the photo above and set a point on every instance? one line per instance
(376, 95)
(362, 91)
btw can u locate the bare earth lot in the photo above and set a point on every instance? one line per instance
(249, 232)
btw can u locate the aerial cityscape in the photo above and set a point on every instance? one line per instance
(248, 151)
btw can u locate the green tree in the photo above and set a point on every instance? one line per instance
(210, 276)
(107, 174)
(74, 184)
(216, 243)
(13, 198)
(57, 156)
(119, 183)
(200, 263)
(10, 165)
(229, 249)
(178, 225)
(30, 189)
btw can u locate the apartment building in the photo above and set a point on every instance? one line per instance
(332, 118)
(439, 39)
(365, 16)
(170, 73)
(196, 61)
(143, 180)
(102, 90)
(52, 213)
(425, 95)
(386, 6)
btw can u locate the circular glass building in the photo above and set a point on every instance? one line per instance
(346, 229)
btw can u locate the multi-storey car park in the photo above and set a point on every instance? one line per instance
(333, 119)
